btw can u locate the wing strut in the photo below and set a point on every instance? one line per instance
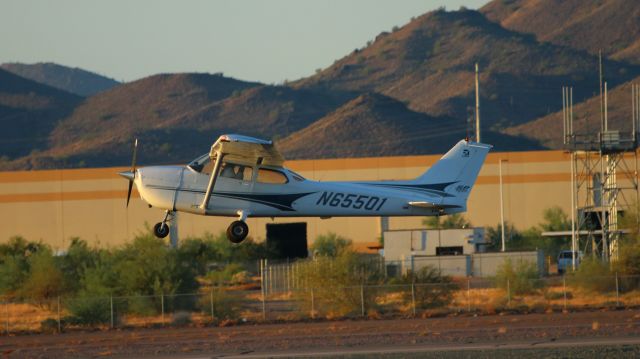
(212, 181)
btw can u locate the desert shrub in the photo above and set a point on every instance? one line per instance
(455, 220)
(86, 310)
(13, 272)
(330, 245)
(50, 326)
(75, 261)
(223, 276)
(629, 261)
(221, 303)
(45, 280)
(150, 267)
(628, 266)
(241, 278)
(594, 276)
(181, 318)
(431, 288)
(220, 249)
(15, 264)
(337, 283)
(521, 278)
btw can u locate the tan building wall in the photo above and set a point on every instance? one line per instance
(90, 203)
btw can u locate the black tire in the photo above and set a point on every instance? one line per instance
(237, 231)
(161, 231)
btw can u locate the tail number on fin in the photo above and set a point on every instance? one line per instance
(350, 200)
(463, 188)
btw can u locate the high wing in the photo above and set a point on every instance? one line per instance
(246, 150)
(242, 150)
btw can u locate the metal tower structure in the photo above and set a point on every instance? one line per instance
(604, 171)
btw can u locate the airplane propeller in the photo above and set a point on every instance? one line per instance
(131, 175)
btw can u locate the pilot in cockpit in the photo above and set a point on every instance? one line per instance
(233, 171)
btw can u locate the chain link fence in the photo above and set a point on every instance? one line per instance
(229, 305)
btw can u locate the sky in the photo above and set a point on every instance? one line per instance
(256, 40)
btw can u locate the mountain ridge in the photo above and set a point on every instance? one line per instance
(74, 80)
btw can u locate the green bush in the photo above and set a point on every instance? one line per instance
(330, 245)
(337, 283)
(521, 278)
(50, 326)
(223, 276)
(431, 288)
(45, 280)
(221, 302)
(89, 310)
(14, 263)
(594, 276)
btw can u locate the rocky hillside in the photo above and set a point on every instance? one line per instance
(429, 64)
(74, 80)
(29, 111)
(373, 124)
(548, 130)
(612, 26)
(409, 91)
(176, 117)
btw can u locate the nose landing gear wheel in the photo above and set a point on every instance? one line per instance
(237, 231)
(161, 230)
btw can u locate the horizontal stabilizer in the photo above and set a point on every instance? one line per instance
(432, 205)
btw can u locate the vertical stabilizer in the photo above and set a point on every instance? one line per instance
(458, 169)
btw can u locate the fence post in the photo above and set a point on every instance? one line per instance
(617, 291)
(162, 306)
(564, 290)
(211, 304)
(263, 286)
(413, 298)
(313, 305)
(288, 275)
(6, 312)
(59, 323)
(111, 306)
(468, 295)
(362, 298)
(264, 304)
(508, 293)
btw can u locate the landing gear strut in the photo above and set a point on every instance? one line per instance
(161, 229)
(237, 231)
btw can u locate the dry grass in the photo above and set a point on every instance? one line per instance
(287, 306)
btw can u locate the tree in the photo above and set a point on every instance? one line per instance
(45, 280)
(330, 245)
(452, 221)
(79, 257)
(555, 220)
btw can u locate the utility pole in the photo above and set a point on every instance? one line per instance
(477, 106)
(501, 205)
(600, 78)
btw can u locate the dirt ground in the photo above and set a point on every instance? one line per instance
(280, 338)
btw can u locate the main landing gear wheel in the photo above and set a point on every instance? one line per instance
(237, 231)
(161, 230)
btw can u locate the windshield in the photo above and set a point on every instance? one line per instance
(199, 163)
(296, 176)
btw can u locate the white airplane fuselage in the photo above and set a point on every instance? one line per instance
(243, 177)
(180, 188)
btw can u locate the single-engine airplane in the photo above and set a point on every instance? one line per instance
(244, 177)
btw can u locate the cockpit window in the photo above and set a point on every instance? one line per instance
(296, 176)
(200, 163)
(235, 171)
(271, 176)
